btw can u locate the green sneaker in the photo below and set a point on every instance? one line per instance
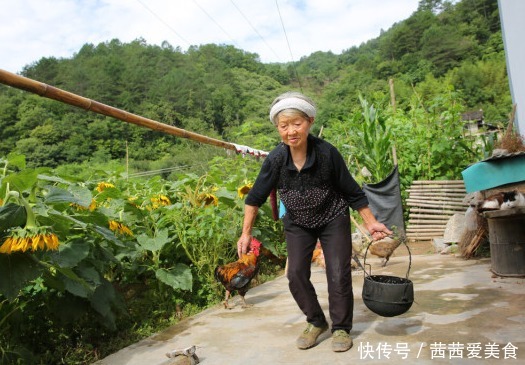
(341, 341)
(309, 336)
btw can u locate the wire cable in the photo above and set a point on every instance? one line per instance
(255, 30)
(159, 171)
(289, 48)
(163, 22)
(216, 23)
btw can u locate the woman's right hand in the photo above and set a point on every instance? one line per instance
(242, 244)
(250, 213)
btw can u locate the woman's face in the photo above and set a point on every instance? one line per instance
(294, 130)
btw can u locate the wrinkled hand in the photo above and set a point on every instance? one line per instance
(242, 244)
(378, 231)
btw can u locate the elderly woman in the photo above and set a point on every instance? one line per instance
(317, 190)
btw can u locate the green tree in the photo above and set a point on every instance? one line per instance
(445, 47)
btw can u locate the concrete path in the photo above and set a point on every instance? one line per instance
(461, 315)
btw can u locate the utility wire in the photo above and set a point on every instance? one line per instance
(255, 30)
(154, 172)
(225, 32)
(163, 22)
(289, 48)
(216, 23)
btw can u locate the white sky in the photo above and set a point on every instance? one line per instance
(32, 29)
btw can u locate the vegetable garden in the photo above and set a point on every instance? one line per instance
(82, 261)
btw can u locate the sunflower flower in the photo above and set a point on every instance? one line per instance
(120, 228)
(92, 206)
(164, 200)
(29, 239)
(132, 200)
(103, 186)
(243, 190)
(208, 199)
(160, 200)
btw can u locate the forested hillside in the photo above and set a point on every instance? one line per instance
(224, 92)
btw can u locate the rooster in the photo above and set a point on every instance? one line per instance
(385, 248)
(318, 255)
(238, 275)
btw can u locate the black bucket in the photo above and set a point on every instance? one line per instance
(388, 296)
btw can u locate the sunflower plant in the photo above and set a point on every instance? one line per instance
(30, 236)
(97, 248)
(35, 226)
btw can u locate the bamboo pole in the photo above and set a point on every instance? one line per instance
(435, 203)
(363, 232)
(127, 161)
(392, 94)
(394, 155)
(437, 182)
(453, 188)
(436, 211)
(429, 227)
(436, 197)
(429, 217)
(438, 194)
(67, 97)
(421, 189)
(423, 237)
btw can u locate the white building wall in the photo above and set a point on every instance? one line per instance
(512, 15)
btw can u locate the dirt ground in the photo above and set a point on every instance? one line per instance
(417, 248)
(458, 305)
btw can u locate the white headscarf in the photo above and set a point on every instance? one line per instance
(292, 103)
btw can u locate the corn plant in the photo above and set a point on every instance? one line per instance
(365, 140)
(374, 149)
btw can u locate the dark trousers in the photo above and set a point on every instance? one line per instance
(336, 241)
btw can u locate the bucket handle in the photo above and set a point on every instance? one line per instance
(403, 241)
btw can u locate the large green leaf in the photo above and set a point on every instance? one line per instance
(179, 277)
(109, 193)
(154, 243)
(75, 284)
(75, 194)
(108, 235)
(76, 288)
(88, 273)
(16, 270)
(54, 179)
(82, 195)
(71, 253)
(12, 215)
(103, 300)
(22, 181)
